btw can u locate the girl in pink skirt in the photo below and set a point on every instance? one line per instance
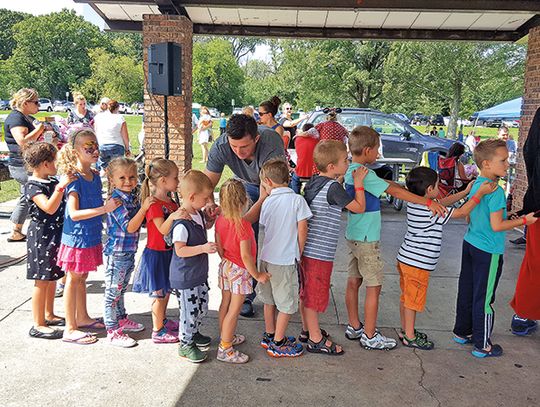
(80, 250)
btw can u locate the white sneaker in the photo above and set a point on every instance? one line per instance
(119, 338)
(378, 341)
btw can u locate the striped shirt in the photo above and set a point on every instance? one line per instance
(421, 246)
(323, 227)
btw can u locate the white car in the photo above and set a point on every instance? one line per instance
(45, 105)
(511, 123)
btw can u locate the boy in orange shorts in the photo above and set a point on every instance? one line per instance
(421, 247)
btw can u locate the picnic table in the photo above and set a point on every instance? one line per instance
(397, 164)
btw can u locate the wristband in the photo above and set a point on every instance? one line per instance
(524, 221)
(429, 202)
(475, 199)
(60, 189)
(359, 189)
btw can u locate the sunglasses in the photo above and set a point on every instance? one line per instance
(36, 102)
(263, 113)
(288, 108)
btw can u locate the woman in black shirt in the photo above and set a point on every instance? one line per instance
(19, 130)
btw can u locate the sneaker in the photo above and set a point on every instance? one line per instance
(117, 337)
(247, 309)
(202, 341)
(519, 241)
(59, 290)
(523, 326)
(163, 336)
(171, 325)
(192, 353)
(495, 351)
(379, 341)
(266, 340)
(353, 334)
(287, 350)
(231, 355)
(128, 325)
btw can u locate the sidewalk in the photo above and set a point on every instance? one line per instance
(43, 373)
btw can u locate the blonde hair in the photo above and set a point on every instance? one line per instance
(276, 170)
(485, 150)
(68, 159)
(116, 163)
(77, 97)
(328, 152)
(233, 200)
(195, 182)
(204, 108)
(21, 96)
(248, 110)
(158, 167)
(362, 137)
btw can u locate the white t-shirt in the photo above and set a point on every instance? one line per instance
(180, 233)
(280, 214)
(108, 126)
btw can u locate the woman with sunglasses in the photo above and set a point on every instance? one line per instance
(288, 123)
(267, 113)
(19, 130)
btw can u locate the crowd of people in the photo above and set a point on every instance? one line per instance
(275, 239)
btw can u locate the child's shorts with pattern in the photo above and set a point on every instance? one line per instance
(234, 278)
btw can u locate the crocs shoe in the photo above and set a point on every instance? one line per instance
(462, 340)
(128, 325)
(266, 340)
(117, 337)
(352, 333)
(191, 353)
(379, 342)
(523, 326)
(495, 351)
(163, 336)
(231, 355)
(171, 325)
(202, 341)
(287, 350)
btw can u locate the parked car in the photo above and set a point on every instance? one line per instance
(4, 105)
(399, 139)
(122, 108)
(45, 105)
(491, 122)
(213, 112)
(401, 116)
(237, 110)
(140, 108)
(511, 123)
(419, 119)
(436, 120)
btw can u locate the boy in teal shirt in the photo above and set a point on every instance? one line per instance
(363, 235)
(482, 255)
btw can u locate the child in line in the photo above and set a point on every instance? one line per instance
(305, 142)
(326, 199)
(46, 197)
(123, 226)
(482, 256)
(363, 234)
(189, 264)
(81, 251)
(152, 277)
(284, 216)
(421, 247)
(237, 248)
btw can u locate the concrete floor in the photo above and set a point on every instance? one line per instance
(42, 373)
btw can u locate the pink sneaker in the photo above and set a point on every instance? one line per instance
(163, 336)
(171, 325)
(128, 325)
(119, 338)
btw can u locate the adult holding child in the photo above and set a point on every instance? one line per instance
(244, 148)
(81, 114)
(112, 134)
(205, 132)
(19, 130)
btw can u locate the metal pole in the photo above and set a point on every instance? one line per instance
(166, 127)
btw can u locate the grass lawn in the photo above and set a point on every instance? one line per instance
(483, 132)
(10, 189)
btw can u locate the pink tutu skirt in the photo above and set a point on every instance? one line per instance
(79, 260)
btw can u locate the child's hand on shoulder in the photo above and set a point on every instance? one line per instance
(147, 203)
(180, 213)
(469, 187)
(112, 204)
(66, 179)
(486, 188)
(437, 209)
(359, 175)
(210, 247)
(263, 277)
(211, 212)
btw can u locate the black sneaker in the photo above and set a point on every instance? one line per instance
(519, 241)
(247, 309)
(523, 326)
(202, 341)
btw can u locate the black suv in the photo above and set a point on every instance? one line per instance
(399, 139)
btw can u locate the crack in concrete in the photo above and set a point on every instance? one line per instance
(421, 380)
(15, 309)
(335, 305)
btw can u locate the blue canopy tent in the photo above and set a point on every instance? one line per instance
(510, 110)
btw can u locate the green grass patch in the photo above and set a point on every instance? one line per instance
(483, 132)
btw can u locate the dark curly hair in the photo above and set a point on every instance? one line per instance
(240, 126)
(39, 152)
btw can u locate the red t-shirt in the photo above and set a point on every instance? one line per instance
(305, 167)
(159, 209)
(230, 239)
(331, 130)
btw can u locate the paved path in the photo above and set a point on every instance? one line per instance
(42, 373)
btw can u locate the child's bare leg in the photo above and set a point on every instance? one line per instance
(231, 318)
(351, 301)
(270, 318)
(39, 298)
(159, 307)
(281, 326)
(402, 315)
(312, 319)
(82, 313)
(410, 318)
(224, 307)
(371, 308)
(302, 310)
(49, 302)
(70, 301)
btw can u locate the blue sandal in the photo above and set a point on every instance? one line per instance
(495, 351)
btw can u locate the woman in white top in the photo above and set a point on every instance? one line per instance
(112, 135)
(205, 131)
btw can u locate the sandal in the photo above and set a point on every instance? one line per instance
(304, 335)
(418, 342)
(80, 338)
(21, 237)
(401, 334)
(322, 347)
(238, 339)
(97, 324)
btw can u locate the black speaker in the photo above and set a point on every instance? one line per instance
(165, 69)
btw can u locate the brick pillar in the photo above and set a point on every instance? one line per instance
(531, 102)
(179, 29)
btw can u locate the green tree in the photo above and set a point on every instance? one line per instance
(127, 44)
(52, 52)
(8, 19)
(217, 78)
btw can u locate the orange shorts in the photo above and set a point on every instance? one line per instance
(413, 283)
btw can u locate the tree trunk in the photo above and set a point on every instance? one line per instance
(454, 110)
